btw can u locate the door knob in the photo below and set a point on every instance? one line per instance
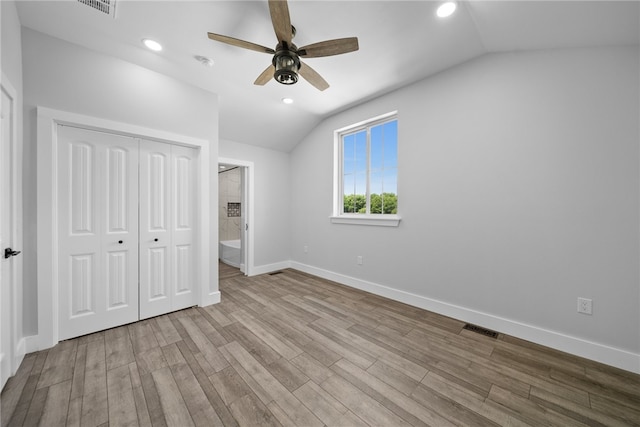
(8, 253)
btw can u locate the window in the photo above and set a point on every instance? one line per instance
(366, 187)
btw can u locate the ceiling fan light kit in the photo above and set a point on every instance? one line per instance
(286, 65)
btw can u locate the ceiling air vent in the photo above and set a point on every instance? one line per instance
(108, 7)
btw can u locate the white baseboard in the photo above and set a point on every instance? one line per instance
(18, 355)
(590, 350)
(269, 268)
(31, 344)
(20, 350)
(212, 298)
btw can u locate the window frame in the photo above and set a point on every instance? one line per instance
(339, 216)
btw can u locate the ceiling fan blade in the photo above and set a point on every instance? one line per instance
(329, 47)
(266, 75)
(240, 43)
(312, 77)
(281, 20)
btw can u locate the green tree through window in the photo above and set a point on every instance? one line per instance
(384, 203)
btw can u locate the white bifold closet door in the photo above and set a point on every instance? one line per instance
(126, 230)
(167, 218)
(98, 231)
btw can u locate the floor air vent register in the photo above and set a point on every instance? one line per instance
(480, 330)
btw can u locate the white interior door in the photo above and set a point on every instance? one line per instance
(155, 235)
(98, 231)
(7, 268)
(244, 224)
(167, 218)
(183, 224)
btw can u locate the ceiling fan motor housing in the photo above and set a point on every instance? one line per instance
(287, 64)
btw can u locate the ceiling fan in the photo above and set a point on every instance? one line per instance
(286, 63)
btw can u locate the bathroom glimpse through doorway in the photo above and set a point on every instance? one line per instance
(235, 213)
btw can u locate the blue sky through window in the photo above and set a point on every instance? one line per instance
(383, 160)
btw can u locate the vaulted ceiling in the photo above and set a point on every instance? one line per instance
(400, 42)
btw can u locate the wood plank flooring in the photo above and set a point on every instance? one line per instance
(295, 350)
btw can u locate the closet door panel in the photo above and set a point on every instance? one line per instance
(83, 281)
(155, 232)
(98, 232)
(120, 193)
(157, 273)
(79, 220)
(184, 218)
(184, 270)
(117, 280)
(121, 212)
(81, 167)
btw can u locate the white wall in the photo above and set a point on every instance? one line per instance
(67, 77)
(11, 56)
(272, 202)
(518, 192)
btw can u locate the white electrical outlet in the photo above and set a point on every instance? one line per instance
(359, 260)
(305, 249)
(585, 306)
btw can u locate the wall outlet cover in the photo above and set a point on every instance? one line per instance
(585, 306)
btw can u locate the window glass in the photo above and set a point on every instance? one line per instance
(369, 156)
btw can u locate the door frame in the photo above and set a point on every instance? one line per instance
(15, 353)
(247, 199)
(47, 193)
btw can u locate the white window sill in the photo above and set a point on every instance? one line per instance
(375, 220)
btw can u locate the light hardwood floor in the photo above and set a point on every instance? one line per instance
(293, 349)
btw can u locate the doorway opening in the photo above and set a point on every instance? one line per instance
(235, 210)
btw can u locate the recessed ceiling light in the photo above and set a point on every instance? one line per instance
(152, 44)
(446, 9)
(207, 62)
(222, 167)
(287, 100)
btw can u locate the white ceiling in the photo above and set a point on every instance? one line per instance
(400, 42)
